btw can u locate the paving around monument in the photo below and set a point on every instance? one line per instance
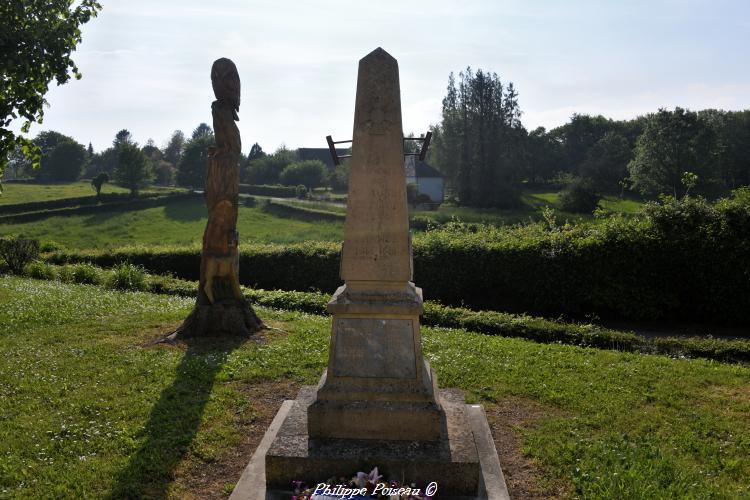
(476, 306)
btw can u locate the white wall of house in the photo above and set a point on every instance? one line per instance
(431, 186)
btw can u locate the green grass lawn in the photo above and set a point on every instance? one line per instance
(25, 193)
(88, 410)
(180, 222)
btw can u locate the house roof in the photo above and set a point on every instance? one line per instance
(419, 169)
(322, 154)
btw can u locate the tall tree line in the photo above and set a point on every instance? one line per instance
(486, 154)
(477, 142)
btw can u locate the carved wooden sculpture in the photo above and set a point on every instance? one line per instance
(220, 307)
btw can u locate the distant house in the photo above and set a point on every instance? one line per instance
(322, 154)
(429, 181)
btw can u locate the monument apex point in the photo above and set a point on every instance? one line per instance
(378, 53)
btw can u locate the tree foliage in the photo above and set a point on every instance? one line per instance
(310, 173)
(267, 169)
(98, 181)
(62, 158)
(579, 196)
(672, 143)
(174, 148)
(133, 169)
(202, 130)
(479, 144)
(37, 39)
(191, 170)
(606, 162)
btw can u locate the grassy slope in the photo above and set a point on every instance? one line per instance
(180, 222)
(25, 193)
(87, 410)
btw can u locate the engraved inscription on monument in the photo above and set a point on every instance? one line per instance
(369, 347)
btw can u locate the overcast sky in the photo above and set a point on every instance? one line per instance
(146, 64)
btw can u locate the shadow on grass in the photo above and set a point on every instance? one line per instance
(174, 420)
(186, 210)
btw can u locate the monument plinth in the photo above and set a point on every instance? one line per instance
(378, 403)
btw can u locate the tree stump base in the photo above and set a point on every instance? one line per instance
(225, 318)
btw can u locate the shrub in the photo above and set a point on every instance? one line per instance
(49, 246)
(17, 252)
(301, 192)
(579, 196)
(126, 276)
(65, 274)
(40, 270)
(311, 173)
(249, 201)
(86, 274)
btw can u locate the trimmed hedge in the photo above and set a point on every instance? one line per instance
(121, 203)
(681, 260)
(277, 191)
(35, 206)
(486, 322)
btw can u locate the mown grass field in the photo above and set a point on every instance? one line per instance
(90, 410)
(180, 223)
(25, 193)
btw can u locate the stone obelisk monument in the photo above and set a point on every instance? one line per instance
(377, 383)
(378, 404)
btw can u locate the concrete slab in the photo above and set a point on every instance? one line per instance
(491, 484)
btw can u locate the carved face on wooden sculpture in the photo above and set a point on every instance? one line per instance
(226, 82)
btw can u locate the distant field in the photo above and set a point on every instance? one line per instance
(180, 223)
(183, 222)
(24, 193)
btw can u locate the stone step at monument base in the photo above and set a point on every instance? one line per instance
(453, 461)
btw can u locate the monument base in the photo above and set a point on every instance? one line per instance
(464, 464)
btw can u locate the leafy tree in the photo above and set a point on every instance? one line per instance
(152, 152)
(339, 178)
(191, 170)
(121, 137)
(672, 143)
(175, 146)
(732, 148)
(267, 169)
(106, 161)
(164, 173)
(579, 196)
(133, 169)
(578, 136)
(606, 162)
(62, 157)
(255, 152)
(311, 173)
(37, 38)
(544, 156)
(202, 130)
(98, 181)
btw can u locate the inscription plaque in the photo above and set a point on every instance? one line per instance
(376, 348)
